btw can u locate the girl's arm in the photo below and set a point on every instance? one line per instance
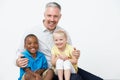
(54, 59)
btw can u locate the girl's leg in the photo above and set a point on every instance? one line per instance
(60, 74)
(59, 67)
(67, 74)
(68, 69)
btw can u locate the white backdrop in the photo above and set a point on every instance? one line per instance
(94, 26)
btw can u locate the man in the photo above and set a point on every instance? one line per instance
(52, 16)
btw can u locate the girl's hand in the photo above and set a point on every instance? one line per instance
(63, 57)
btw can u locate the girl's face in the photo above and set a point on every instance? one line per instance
(60, 40)
(31, 44)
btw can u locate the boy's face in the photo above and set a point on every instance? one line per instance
(60, 41)
(31, 44)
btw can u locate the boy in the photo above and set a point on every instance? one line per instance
(37, 63)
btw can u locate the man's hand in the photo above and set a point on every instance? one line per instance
(76, 53)
(21, 62)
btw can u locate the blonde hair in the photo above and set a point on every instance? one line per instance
(60, 32)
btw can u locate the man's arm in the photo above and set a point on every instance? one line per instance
(21, 62)
(76, 53)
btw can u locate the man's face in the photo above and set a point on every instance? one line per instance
(52, 16)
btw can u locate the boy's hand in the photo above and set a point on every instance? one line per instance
(30, 76)
(38, 77)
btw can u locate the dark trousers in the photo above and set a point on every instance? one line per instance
(82, 75)
(73, 77)
(87, 75)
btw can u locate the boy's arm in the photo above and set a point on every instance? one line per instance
(29, 74)
(27, 69)
(40, 71)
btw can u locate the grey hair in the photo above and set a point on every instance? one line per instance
(53, 4)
